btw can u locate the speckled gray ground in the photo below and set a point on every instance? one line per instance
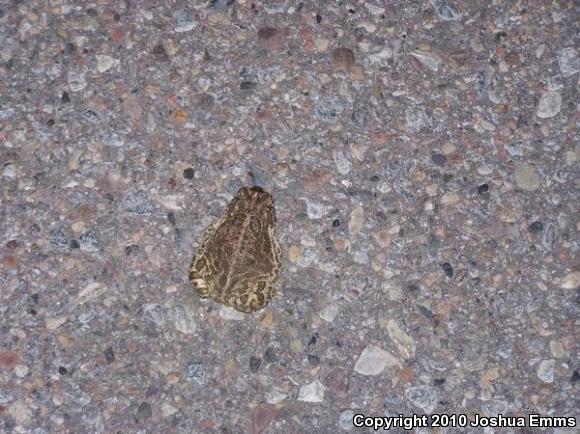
(423, 156)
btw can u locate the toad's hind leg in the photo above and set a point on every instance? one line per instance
(199, 271)
(197, 276)
(254, 298)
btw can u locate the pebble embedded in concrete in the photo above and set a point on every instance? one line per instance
(373, 361)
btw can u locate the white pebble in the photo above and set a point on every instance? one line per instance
(167, 410)
(329, 313)
(549, 105)
(423, 397)
(21, 371)
(373, 360)
(345, 420)
(342, 163)
(568, 61)
(404, 342)
(275, 396)
(313, 392)
(104, 63)
(9, 171)
(571, 280)
(229, 313)
(545, 371)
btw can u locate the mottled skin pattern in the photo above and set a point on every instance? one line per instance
(239, 257)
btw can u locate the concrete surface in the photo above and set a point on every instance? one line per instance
(423, 156)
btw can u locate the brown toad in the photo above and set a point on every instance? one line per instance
(239, 257)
